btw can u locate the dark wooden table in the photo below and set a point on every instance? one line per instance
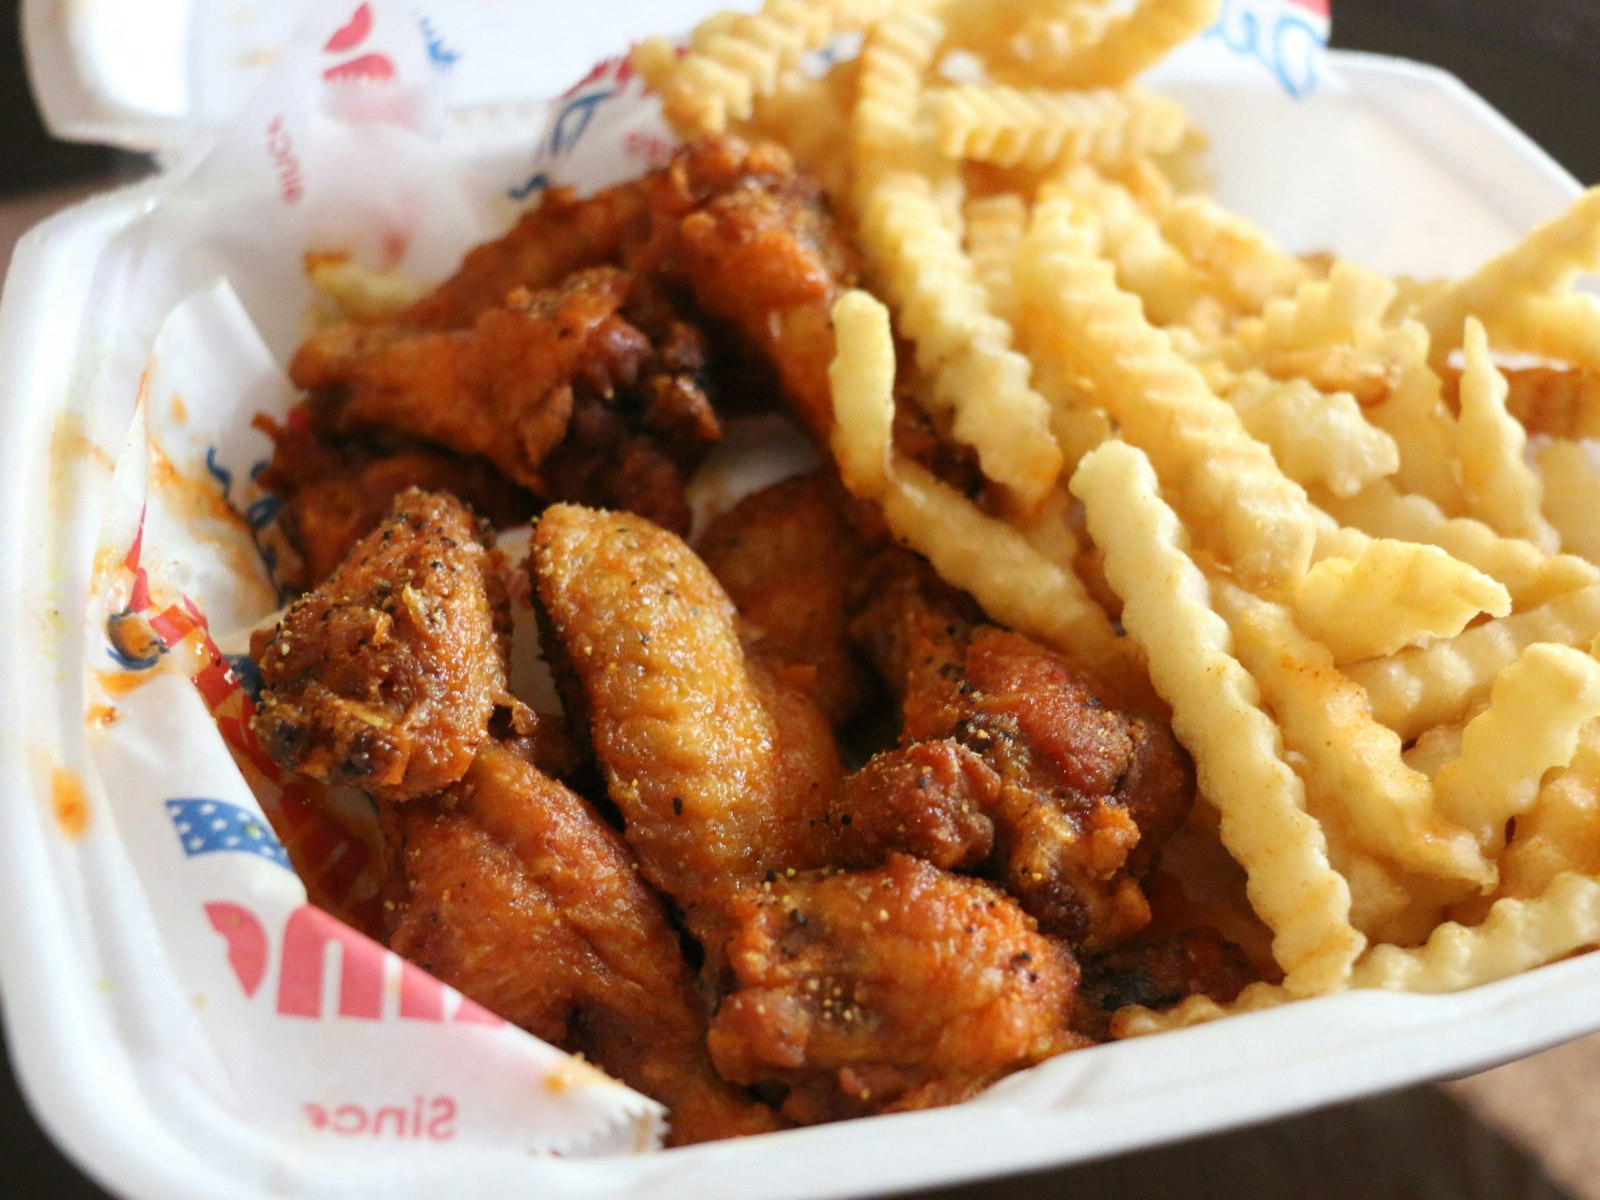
(1539, 63)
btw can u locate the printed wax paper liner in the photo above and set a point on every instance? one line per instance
(296, 1020)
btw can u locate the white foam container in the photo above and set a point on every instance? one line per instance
(1426, 178)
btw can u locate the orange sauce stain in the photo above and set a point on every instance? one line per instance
(70, 801)
(99, 716)
(180, 411)
(121, 683)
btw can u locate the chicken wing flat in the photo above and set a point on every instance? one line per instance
(902, 987)
(513, 890)
(1086, 795)
(722, 773)
(792, 564)
(386, 675)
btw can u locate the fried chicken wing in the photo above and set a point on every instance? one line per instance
(559, 235)
(928, 799)
(755, 245)
(722, 774)
(791, 562)
(1158, 973)
(591, 390)
(386, 675)
(1087, 794)
(334, 493)
(901, 987)
(514, 891)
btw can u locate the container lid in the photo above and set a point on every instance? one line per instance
(163, 76)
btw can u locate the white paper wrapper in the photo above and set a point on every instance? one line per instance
(302, 1026)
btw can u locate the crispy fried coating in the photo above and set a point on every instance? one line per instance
(756, 247)
(722, 774)
(1087, 794)
(514, 891)
(901, 987)
(928, 799)
(790, 560)
(592, 390)
(386, 675)
(559, 235)
(501, 388)
(1158, 972)
(334, 492)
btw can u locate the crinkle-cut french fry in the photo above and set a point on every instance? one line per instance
(1135, 1020)
(1436, 748)
(1392, 595)
(1050, 531)
(1545, 262)
(1416, 416)
(1321, 314)
(1044, 39)
(1563, 328)
(1498, 486)
(1367, 378)
(1561, 832)
(895, 60)
(1133, 43)
(811, 118)
(1572, 497)
(1170, 288)
(861, 379)
(975, 379)
(1536, 709)
(1516, 935)
(1012, 580)
(1356, 761)
(734, 60)
(1380, 510)
(1559, 402)
(1417, 689)
(1082, 324)
(1216, 714)
(995, 227)
(1318, 440)
(1241, 262)
(1034, 129)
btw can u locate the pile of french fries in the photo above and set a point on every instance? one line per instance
(1289, 499)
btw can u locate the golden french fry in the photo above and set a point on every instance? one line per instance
(1080, 323)
(1561, 832)
(1319, 440)
(1419, 688)
(1543, 263)
(1356, 761)
(995, 226)
(1380, 510)
(1572, 497)
(1141, 37)
(1216, 714)
(1137, 1021)
(1034, 129)
(1390, 596)
(1497, 484)
(1516, 935)
(1536, 709)
(1240, 262)
(996, 563)
(362, 293)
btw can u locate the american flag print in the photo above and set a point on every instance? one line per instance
(208, 826)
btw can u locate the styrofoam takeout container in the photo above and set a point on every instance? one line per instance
(1384, 161)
